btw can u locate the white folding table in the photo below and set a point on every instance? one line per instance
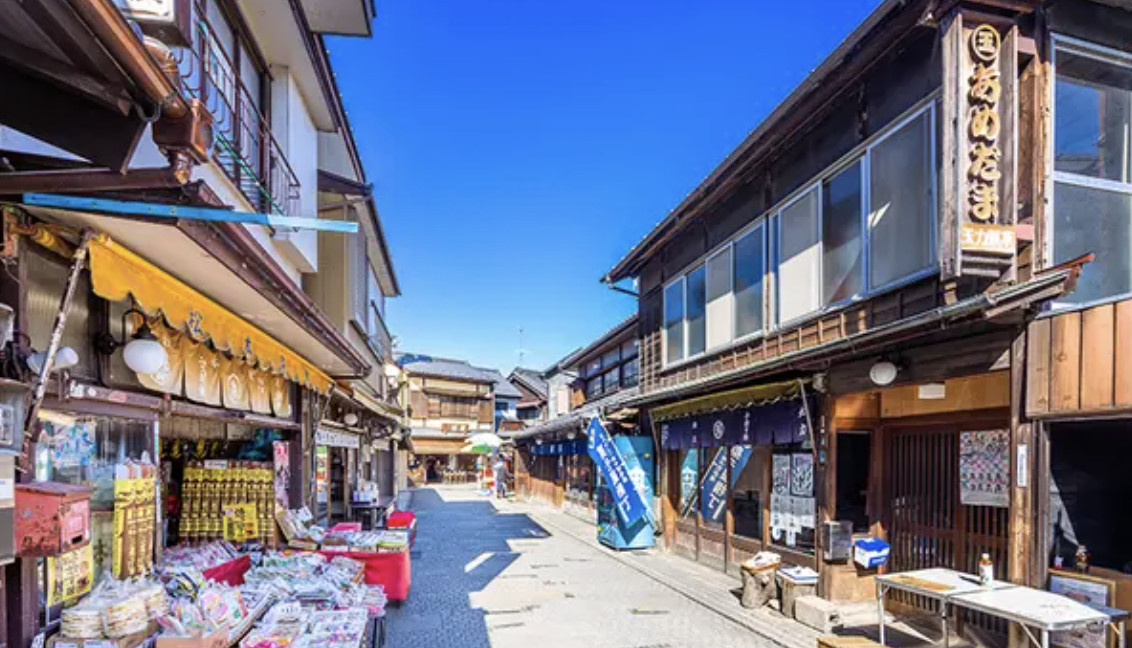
(1030, 608)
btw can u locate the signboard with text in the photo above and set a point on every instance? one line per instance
(627, 499)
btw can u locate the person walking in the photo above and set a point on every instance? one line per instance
(499, 468)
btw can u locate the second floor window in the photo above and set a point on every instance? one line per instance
(1092, 168)
(860, 227)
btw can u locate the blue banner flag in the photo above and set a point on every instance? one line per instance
(626, 495)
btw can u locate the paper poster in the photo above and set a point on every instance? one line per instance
(71, 445)
(802, 475)
(805, 510)
(282, 466)
(240, 522)
(778, 508)
(793, 520)
(781, 481)
(1084, 591)
(70, 575)
(984, 468)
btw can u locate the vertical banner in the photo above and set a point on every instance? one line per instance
(282, 466)
(631, 506)
(135, 511)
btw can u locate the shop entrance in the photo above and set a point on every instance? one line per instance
(928, 525)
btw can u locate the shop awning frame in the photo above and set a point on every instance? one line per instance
(118, 274)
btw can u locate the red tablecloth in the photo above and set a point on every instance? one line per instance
(231, 572)
(391, 570)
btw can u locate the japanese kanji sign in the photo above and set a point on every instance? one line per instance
(630, 505)
(983, 126)
(984, 468)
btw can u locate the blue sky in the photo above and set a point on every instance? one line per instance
(519, 148)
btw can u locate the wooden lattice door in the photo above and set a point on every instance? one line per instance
(928, 525)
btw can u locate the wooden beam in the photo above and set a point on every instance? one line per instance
(1122, 352)
(1021, 529)
(69, 121)
(86, 180)
(68, 32)
(65, 76)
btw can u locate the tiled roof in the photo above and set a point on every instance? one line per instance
(533, 380)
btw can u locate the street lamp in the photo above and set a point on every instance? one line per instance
(143, 354)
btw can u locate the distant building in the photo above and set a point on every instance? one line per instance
(532, 407)
(446, 401)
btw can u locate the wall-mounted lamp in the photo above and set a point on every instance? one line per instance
(883, 372)
(143, 353)
(65, 358)
(351, 419)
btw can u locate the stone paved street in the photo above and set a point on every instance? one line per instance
(488, 577)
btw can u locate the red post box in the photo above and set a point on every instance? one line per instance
(51, 518)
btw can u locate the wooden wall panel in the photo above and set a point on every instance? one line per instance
(987, 391)
(1097, 362)
(1065, 370)
(1038, 369)
(1122, 352)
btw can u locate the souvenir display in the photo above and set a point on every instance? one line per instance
(216, 490)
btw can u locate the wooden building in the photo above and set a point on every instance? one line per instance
(918, 261)
(552, 465)
(133, 140)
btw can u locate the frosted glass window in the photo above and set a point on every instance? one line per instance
(719, 321)
(900, 218)
(750, 269)
(799, 292)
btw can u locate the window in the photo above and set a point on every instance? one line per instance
(630, 349)
(674, 322)
(611, 358)
(719, 320)
(842, 243)
(900, 196)
(750, 270)
(858, 228)
(630, 373)
(697, 311)
(800, 254)
(1092, 195)
(593, 388)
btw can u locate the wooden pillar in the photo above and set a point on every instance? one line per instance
(1021, 537)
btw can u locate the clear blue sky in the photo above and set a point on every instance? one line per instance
(519, 148)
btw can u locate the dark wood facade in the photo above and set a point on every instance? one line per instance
(1006, 364)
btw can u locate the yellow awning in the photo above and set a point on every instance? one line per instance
(728, 399)
(117, 274)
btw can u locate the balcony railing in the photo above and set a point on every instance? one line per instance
(244, 145)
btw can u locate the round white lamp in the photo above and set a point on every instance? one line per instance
(143, 354)
(351, 418)
(883, 372)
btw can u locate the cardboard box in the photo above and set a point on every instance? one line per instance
(218, 639)
(129, 641)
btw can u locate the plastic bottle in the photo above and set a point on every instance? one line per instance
(986, 570)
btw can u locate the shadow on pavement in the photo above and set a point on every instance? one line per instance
(463, 544)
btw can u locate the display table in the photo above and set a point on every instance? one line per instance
(393, 571)
(230, 573)
(1043, 611)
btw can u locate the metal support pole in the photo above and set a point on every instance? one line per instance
(943, 621)
(78, 261)
(880, 610)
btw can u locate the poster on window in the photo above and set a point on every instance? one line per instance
(70, 575)
(778, 510)
(802, 475)
(984, 468)
(781, 475)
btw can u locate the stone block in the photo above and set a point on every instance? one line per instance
(817, 613)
